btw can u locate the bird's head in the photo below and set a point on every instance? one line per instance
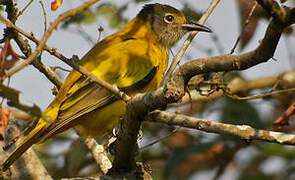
(168, 23)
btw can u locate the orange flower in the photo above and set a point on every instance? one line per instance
(56, 4)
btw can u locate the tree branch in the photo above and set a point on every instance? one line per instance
(242, 131)
(99, 154)
(31, 163)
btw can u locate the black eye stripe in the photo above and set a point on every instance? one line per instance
(169, 18)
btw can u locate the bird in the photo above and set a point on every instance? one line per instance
(133, 59)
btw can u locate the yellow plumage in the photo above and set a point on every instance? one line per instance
(133, 59)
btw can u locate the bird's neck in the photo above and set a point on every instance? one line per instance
(141, 29)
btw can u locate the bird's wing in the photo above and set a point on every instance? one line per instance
(129, 69)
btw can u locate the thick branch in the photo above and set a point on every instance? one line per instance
(98, 153)
(275, 10)
(242, 131)
(125, 146)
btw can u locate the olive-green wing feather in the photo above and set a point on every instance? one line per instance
(96, 98)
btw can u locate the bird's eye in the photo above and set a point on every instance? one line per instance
(169, 18)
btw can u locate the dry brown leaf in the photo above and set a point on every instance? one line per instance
(8, 59)
(3, 121)
(245, 7)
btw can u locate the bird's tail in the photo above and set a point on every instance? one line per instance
(28, 141)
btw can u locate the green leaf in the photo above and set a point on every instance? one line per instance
(12, 97)
(85, 17)
(113, 14)
(180, 154)
(191, 14)
(1, 9)
(278, 150)
(240, 113)
(75, 158)
(289, 173)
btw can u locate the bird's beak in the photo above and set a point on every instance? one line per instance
(192, 26)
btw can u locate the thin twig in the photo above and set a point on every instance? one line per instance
(100, 30)
(160, 139)
(236, 86)
(246, 23)
(113, 89)
(187, 42)
(44, 14)
(258, 96)
(54, 68)
(284, 118)
(25, 8)
(9, 24)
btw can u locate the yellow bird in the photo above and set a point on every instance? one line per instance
(133, 59)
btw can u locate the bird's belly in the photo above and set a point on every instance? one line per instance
(100, 122)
